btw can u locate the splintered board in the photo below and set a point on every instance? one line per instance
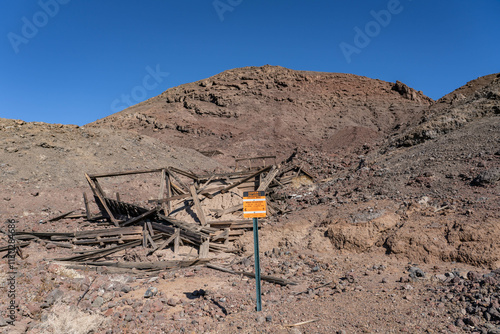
(254, 204)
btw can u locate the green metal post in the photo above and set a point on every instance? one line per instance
(257, 263)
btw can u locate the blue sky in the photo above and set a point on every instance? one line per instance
(75, 61)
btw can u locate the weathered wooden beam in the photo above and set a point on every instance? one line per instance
(233, 224)
(221, 212)
(205, 184)
(156, 265)
(140, 217)
(169, 192)
(87, 207)
(96, 189)
(183, 186)
(150, 239)
(107, 251)
(17, 244)
(177, 240)
(225, 190)
(163, 185)
(204, 249)
(61, 216)
(184, 173)
(268, 179)
(99, 240)
(101, 233)
(129, 172)
(206, 193)
(197, 206)
(165, 243)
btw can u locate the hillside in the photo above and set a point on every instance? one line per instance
(271, 110)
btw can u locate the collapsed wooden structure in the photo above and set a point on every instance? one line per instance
(155, 226)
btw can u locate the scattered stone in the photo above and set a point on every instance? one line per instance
(125, 289)
(150, 292)
(33, 308)
(172, 302)
(489, 176)
(441, 277)
(157, 306)
(153, 279)
(97, 303)
(416, 272)
(54, 296)
(109, 312)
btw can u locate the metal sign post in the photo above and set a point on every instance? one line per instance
(257, 262)
(254, 206)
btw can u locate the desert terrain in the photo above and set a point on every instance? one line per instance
(396, 230)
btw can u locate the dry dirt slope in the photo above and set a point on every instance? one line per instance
(445, 175)
(42, 165)
(271, 109)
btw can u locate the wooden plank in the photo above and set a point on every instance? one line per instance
(150, 228)
(76, 215)
(228, 210)
(60, 216)
(177, 240)
(204, 249)
(150, 240)
(197, 206)
(95, 233)
(107, 240)
(256, 158)
(163, 184)
(164, 244)
(169, 193)
(186, 188)
(184, 173)
(225, 190)
(220, 236)
(141, 217)
(107, 251)
(144, 237)
(129, 172)
(268, 179)
(205, 185)
(17, 244)
(156, 265)
(206, 193)
(95, 189)
(87, 208)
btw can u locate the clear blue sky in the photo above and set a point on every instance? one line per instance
(75, 61)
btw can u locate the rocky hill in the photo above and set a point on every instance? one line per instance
(476, 100)
(271, 110)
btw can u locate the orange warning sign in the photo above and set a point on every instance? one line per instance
(254, 204)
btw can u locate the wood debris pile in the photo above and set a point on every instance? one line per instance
(162, 222)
